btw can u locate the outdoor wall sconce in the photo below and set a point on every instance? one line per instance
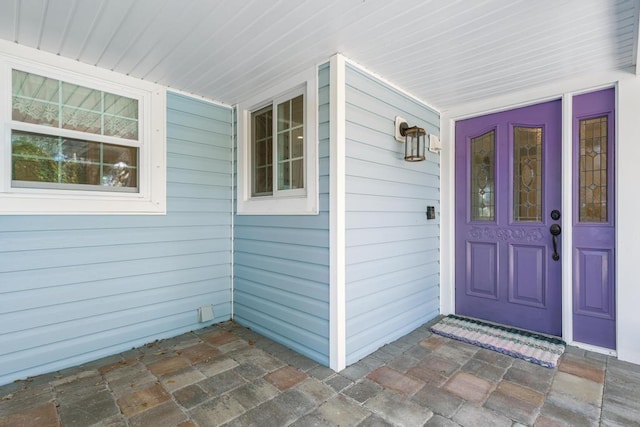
(413, 138)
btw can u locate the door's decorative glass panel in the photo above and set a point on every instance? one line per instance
(290, 144)
(593, 169)
(50, 102)
(262, 123)
(527, 173)
(483, 177)
(71, 163)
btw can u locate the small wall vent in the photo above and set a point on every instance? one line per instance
(205, 313)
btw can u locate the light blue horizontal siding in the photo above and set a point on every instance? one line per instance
(281, 264)
(76, 288)
(177, 219)
(392, 255)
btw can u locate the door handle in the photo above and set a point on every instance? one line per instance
(555, 231)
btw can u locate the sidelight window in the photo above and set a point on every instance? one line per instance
(593, 169)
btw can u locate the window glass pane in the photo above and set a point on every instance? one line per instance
(284, 115)
(116, 163)
(284, 176)
(297, 111)
(262, 151)
(260, 155)
(593, 169)
(527, 174)
(259, 180)
(268, 173)
(81, 108)
(64, 161)
(297, 143)
(284, 152)
(33, 157)
(297, 174)
(291, 144)
(35, 99)
(45, 101)
(120, 116)
(482, 183)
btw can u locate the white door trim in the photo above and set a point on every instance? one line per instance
(566, 219)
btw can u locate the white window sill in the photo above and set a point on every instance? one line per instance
(278, 206)
(49, 204)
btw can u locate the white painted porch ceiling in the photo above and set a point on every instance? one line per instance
(445, 52)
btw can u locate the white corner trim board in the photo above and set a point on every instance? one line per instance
(337, 227)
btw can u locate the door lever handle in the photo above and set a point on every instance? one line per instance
(555, 255)
(555, 231)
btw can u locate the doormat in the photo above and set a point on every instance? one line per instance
(529, 346)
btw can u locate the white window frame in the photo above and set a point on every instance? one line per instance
(150, 198)
(281, 202)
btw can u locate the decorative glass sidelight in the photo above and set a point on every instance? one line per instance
(483, 177)
(593, 169)
(527, 173)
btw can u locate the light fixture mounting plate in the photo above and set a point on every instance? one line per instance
(399, 120)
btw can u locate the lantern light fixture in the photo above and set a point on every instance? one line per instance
(413, 138)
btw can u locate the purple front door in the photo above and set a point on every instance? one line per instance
(508, 201)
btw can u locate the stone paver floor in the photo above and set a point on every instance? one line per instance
(228, 375)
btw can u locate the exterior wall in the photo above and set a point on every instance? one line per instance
(281, 264)
(392, 250)
(77, 288)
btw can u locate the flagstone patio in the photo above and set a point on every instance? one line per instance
(229, 375)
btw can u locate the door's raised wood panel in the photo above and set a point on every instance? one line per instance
(482, 274)
(527, 283)
(593, 294)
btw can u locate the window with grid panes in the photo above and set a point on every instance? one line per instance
(78, 139)
(288, 121)
(277, 152)
(100, 154)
